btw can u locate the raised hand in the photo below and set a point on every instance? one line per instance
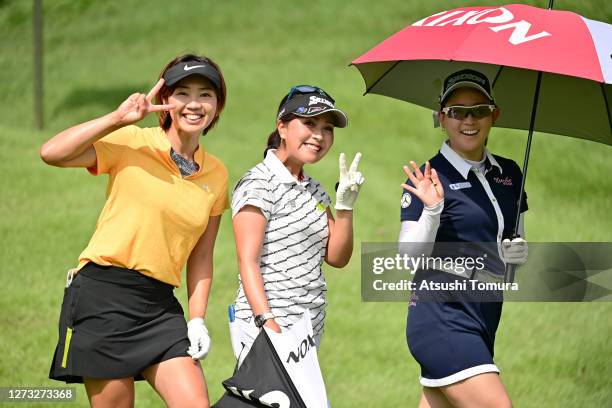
(427, 187)
(349, 184)
(139, 105)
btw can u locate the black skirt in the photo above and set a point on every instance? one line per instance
(114, 323)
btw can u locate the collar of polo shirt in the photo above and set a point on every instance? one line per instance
(459, 162)
(278, 168)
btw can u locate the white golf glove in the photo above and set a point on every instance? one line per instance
(198, 337)
(515, 251)
(349, 184)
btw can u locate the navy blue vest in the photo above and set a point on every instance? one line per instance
(468, 214)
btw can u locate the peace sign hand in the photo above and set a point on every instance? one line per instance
(427, 187)
(349, 184)
(139, 105)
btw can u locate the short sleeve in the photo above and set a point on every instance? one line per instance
(222, 203)
(524, 206)
(110, 149)
(326, 200)
(411, 206)
(319, 193)
(519, 177)
(255, 191)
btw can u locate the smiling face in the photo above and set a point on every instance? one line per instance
(305, 140)
(467, 136)
(195, 103)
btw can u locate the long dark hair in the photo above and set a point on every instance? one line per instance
(164, 118)
(274, 140)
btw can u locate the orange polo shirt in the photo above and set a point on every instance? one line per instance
(153, 217)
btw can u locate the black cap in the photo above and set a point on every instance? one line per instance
(185, 69)
(467, 78)
(313, 104)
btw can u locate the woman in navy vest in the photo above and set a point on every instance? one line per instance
(462, 195)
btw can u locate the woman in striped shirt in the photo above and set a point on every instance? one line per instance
(283, 225)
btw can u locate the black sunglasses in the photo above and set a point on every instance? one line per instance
(306, 89)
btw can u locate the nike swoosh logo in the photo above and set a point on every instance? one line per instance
(188, 68)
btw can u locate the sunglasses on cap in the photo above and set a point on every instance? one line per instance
(462, 112)
(306, 89)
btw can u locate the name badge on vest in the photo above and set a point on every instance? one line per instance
(460, 186)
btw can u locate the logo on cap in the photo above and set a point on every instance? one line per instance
(315, 99)
(315, 109)
(189, 68)
(464, 77)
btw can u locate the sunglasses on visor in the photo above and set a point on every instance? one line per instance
(462, 112)
(306, 89)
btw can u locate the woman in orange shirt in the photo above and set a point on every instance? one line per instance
(120, 321)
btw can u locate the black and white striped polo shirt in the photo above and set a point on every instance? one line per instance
(294, 244)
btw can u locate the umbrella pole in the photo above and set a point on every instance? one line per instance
(510, 268)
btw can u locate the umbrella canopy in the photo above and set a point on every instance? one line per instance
(509, 44)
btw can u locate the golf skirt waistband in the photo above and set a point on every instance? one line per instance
(114, 323)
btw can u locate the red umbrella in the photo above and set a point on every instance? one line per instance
(510, 44)
(550, 70)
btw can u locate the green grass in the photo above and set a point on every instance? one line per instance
(96, 53)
